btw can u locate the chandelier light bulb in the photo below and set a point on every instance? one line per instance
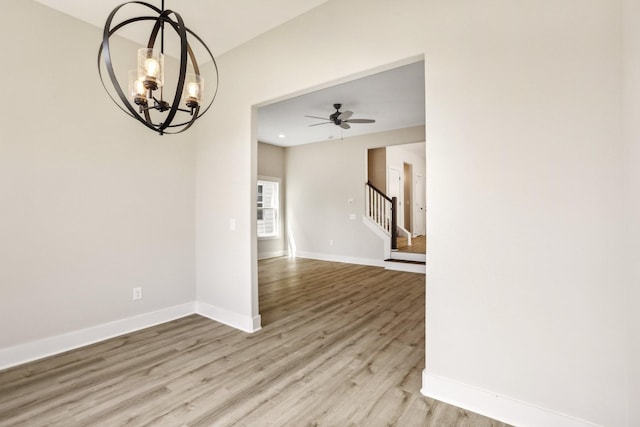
(193, 90)
(137, 91)
(151, 67)
(139, 87)
(193, 87)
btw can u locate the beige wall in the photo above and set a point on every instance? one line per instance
(325, 185)
(92, 203)
(377, 168)
(523, 184)
(631, 100)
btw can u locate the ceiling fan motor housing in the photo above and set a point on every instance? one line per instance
(334, 117)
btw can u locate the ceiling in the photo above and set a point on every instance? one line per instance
(393, 98)
(222, 24)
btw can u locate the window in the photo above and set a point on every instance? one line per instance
(268, 204)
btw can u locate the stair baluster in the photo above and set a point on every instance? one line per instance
(382, 210)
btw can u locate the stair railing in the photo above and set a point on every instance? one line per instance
(382, 210)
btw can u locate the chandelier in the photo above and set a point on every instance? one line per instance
(144, 98)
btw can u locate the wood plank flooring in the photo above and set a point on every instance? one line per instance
(341, 345)
(418, 246)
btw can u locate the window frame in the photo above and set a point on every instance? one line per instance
(277, 208)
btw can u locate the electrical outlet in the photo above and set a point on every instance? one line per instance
(137, 293)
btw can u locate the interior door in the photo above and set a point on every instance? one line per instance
(407, 193)
(394, 189)
(420, 207)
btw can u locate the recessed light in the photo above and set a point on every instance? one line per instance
(281, 136)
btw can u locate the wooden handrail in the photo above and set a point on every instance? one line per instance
(378, 191)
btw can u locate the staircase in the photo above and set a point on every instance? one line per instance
(381, 211)
(406, 261)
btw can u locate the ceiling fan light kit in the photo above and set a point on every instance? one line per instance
(145, 99)
(341, 119)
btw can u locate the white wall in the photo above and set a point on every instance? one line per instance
(271, 163)
(525, 294)
(523, 184)
(92, 203)
(322, 179)
(631, 99)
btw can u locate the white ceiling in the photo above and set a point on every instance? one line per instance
(394, 99)
(222, 24)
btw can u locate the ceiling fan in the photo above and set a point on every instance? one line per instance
(341, 119)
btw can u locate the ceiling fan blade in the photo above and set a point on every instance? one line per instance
(345, 115)
(316, 117)
(344, 125)
(361, 121)
(323, 123)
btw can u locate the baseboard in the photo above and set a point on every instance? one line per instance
(408, 256)
(340, 258)
(406, 267)
(501, 408)
(34, 350)
(235, 320)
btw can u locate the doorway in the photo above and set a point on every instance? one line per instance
(300, 208)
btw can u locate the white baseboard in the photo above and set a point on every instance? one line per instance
(408, 256)
(235, 320)
(502, 408)
(34, 350)
(406, 267)
(38, 349)
(340, 258)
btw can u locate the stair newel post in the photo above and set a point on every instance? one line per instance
(394, 223)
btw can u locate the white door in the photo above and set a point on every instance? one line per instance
(394, 189)
(420, 207)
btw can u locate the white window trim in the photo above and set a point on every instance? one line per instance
(279, 207)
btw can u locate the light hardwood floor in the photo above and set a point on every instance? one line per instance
(418, 246)
(341, 345)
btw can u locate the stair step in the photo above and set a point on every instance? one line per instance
(408, 256)
(405, 261)
(405, 265)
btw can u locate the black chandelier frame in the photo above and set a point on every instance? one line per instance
(142, 115)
